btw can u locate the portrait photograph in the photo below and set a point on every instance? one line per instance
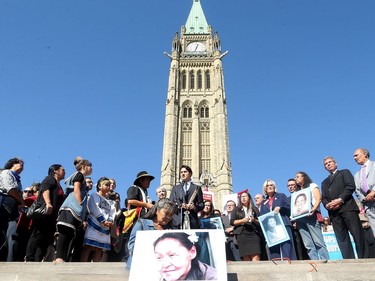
(273, 229)
(169, 255)
(212, 223)
(300, 204)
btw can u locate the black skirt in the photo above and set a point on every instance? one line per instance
(248, 242)
(66, 219)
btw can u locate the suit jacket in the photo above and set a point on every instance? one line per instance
(282, 201)
(178, 196)
(238, 213)
(339, 185)
(370, 180)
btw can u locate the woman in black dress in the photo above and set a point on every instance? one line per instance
(245, 221)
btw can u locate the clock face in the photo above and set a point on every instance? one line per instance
(196, 47)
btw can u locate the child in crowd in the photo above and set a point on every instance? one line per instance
(101, 216)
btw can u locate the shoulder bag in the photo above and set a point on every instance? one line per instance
(37, 210)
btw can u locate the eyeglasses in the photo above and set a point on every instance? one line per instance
(27, 191)
(90, 182)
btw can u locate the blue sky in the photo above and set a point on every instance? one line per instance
(89, 78)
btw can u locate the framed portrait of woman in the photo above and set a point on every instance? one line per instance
(212, 223)
(194, 254)
(300, 204)
(273, 229)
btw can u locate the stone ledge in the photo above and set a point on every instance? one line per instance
(351, 270)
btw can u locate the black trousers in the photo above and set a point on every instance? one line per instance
(346, 222)
(41, 237)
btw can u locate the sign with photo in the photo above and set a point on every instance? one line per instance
(212, 223)
(273, 229)
(193, 254)
(300, 203)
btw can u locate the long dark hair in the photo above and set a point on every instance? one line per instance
(306, 180)
(241, 213)
(11, 162)
(195, 273)
(53, 168)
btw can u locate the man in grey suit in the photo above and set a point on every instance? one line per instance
(365, 183)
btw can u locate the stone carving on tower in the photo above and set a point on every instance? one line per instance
(196, 123)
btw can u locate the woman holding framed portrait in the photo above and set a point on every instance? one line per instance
(279, 204)
(308, 226)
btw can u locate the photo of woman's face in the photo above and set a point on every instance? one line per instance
(271, 222)
(173, 259)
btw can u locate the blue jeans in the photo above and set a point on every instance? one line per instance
(312, 237)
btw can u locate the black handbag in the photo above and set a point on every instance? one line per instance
(8, 206)
(37, 210)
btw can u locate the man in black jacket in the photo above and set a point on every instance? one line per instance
(337, 198)
(189, 197)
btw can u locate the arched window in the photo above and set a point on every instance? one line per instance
(183, 80)
(199, 77)
(187, 111)
(192, 80)
(205, 111)
(208, 80)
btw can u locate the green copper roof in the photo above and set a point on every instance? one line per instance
(196, 22)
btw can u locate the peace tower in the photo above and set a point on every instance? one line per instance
(196, 123)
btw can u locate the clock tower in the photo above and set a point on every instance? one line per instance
(196, 123)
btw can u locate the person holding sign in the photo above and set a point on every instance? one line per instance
(309, 227)
(278, 203)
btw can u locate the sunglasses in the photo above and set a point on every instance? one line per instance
(27, 191)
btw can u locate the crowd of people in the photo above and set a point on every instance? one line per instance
(82, 226)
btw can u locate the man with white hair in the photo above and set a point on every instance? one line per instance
(365, 183)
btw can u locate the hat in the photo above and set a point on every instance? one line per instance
(142, 175)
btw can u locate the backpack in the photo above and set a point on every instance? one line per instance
(69, 184)
(132, 215)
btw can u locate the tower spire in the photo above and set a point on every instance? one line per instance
(196, 22)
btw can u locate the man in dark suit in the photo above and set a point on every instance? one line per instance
(189, 197)
(337, 198)
(231, 247)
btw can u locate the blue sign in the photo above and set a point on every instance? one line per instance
(333, 247)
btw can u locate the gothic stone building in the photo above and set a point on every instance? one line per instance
(196, 126)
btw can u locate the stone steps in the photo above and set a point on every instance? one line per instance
(352, 270)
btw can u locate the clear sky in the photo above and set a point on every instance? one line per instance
(89, 78)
